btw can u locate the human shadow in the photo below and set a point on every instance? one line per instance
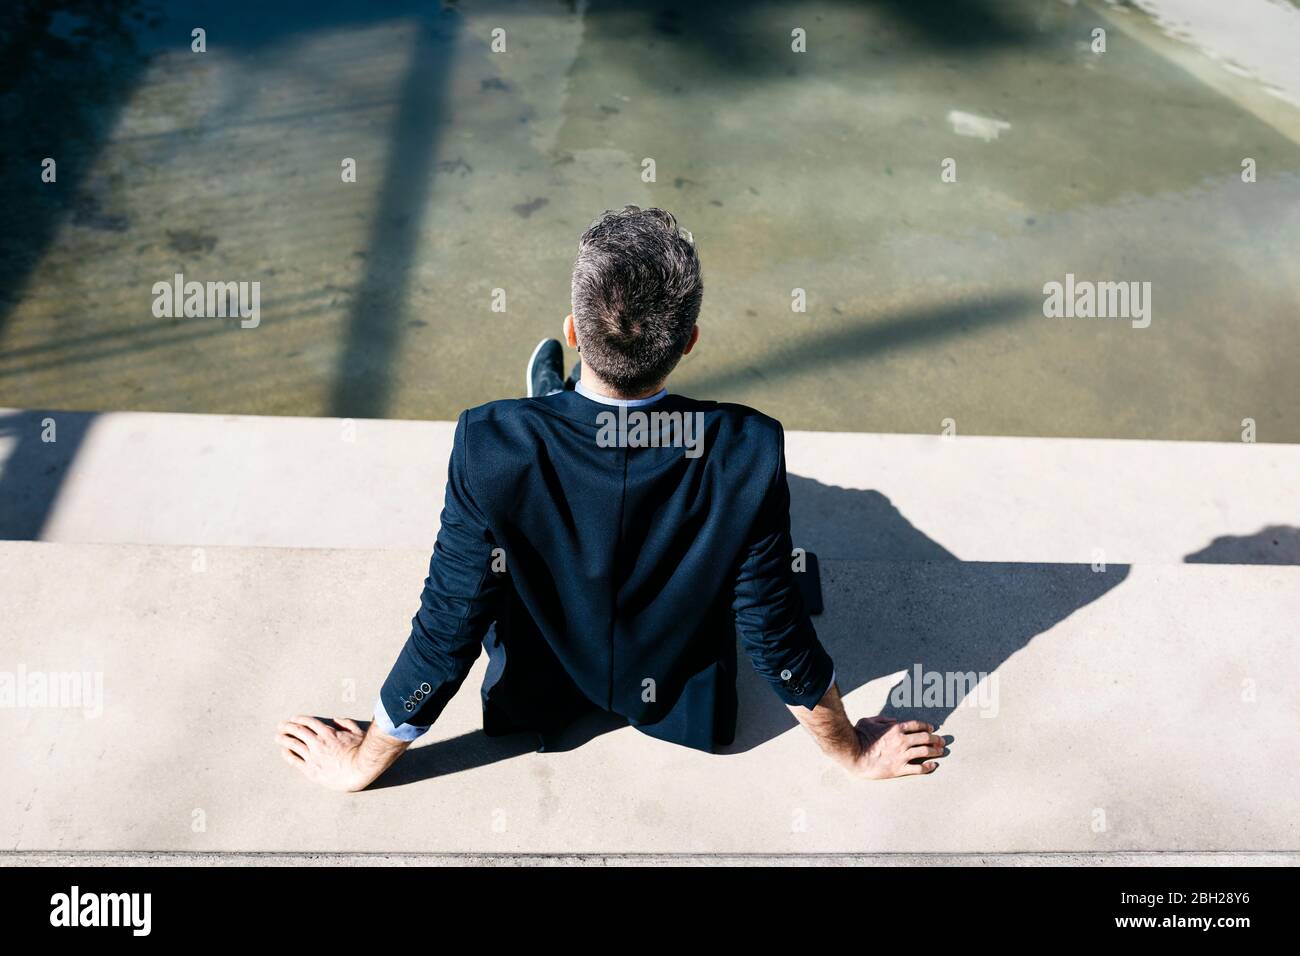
(898, 602)
(477, 749)
(1276, 544)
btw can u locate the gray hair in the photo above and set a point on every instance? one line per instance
(636, 296)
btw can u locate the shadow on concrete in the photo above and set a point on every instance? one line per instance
(477, 749)
(33, 470)
(1276, 544)
(896, 600)
(442, 757)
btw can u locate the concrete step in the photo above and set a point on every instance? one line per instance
(1149, 707)
(144, 478)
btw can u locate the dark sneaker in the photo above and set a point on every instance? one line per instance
(546, 369)
(572, 380)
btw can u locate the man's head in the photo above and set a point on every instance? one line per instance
(636, 296)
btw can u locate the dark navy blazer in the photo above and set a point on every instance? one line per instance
(616, 578)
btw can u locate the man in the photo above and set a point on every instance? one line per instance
(609, 543)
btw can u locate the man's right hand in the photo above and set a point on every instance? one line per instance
(876, 748)
(893, 749)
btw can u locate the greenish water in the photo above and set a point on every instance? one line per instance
(820, 171)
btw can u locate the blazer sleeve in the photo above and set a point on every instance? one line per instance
(459, 603)
(771, 620)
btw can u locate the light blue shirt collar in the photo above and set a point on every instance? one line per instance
(625, 402)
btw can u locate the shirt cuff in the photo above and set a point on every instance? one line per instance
(407, 732)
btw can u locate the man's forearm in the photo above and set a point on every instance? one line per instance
(377, 753)
(830, 727)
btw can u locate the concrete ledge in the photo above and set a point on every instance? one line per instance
(1150, 707)
(144, 478)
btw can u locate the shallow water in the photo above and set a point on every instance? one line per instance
(476, 171)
